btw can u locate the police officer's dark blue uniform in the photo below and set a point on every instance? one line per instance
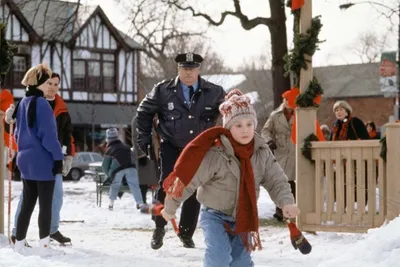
(186, 106)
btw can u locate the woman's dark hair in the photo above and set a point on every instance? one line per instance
(56, 75)
(372, 124)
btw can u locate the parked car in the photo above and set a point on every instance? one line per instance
(95, 172)
(81, 162)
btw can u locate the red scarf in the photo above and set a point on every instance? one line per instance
(189, 161)
(372, 134)
(343, 131)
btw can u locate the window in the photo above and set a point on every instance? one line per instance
(93, 72)
(97, 157)
(17, 72)
(19, 69)
(85, 158)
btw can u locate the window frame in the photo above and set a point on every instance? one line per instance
(86, 83)
(10, 77)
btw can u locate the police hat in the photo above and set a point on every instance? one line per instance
(188, 60)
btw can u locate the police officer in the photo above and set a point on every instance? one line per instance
(186, 106)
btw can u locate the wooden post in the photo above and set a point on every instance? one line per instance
(2, 172)
(305, 124)
(392, 170)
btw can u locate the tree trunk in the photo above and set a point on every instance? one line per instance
(280, 83)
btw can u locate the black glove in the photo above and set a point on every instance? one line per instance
(58, 167)
(272, 145)
(142, 161)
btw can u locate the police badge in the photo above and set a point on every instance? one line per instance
(170, 106)
(189, 57)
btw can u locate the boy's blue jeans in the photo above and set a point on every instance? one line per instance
(222, 248)
(55, 207)
(132, 181)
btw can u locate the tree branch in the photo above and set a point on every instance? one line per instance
(246, 23)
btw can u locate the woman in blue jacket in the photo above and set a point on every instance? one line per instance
(40, 156)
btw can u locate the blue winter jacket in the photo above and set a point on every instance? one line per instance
(38, 147)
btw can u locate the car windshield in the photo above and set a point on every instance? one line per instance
(97, 157)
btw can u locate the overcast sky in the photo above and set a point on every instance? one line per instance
(341, 29)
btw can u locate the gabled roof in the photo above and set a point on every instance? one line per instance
(51, 19)
(63, 21)
(126, 41)
(355, 80)
(340, 81)
(22, 19)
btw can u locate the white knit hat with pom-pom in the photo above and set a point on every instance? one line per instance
(236, 106)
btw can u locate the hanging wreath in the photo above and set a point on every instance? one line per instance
(306, 149)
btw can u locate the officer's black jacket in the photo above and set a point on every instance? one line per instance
(178, 123)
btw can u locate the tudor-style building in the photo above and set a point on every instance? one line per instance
(98, 64)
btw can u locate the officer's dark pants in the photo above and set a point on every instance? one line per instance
(190, 208)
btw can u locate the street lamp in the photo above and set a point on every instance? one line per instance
(350, 4)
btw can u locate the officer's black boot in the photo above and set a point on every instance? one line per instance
(187, 241)
(157, 239)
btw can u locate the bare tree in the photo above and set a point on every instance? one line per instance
(163, 32)
(53, 19)
(369, 46)
(213, 62)
(276, 25)
(256, 63)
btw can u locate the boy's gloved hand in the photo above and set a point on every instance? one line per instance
(9, 113)
(290, 211)
(167, 216)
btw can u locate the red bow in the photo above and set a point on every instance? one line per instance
(296, 4)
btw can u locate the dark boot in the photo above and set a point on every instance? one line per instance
(187, 241)
(157, 239)
(57, 236)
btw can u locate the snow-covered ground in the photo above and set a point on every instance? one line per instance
(122, 238)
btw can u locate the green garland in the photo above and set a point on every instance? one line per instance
(306, 149)
(306, 99)
(383, 152)
(6, 53)
(303, 44)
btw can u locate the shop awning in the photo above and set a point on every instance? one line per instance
(101, 114)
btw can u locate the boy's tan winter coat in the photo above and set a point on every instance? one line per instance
(279, 130)
(217, 179)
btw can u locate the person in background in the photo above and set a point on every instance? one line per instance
(277, 132)
(64, 132)
(147, 167)
(117, 164)
(371, 129)
(40, 157)
(347, 127)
